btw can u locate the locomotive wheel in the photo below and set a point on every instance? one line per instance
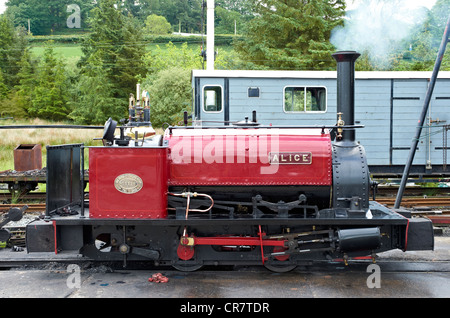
(185, 253)
(187, 267)
(279, 267)
(21, 188)
(279, 264)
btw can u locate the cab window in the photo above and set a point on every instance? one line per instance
(212, 98)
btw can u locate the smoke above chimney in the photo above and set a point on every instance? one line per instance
(378, 28)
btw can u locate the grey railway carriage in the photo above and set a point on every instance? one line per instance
(388, 104)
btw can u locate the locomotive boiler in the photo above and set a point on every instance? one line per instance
(242, 194)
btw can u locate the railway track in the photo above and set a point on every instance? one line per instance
(32, 207)
(411, 202)
(437, 209)
(423, 206)
(413, 191)
(32, 196)
(382, 191)
(407, 202)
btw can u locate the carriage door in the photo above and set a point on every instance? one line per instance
(212, 101)
(407, 100)
(407, 96)
(439, 125)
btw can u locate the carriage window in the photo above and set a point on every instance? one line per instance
(305, 99)
(212, 98)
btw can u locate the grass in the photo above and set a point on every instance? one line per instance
(71, 53)
(11, 138)
(64, 51)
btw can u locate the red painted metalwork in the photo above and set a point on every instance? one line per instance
(55, 237)
(249, 157)
(237, 241)
(260, 234)
(128, 182)
(354, 258)
(185, 249)
(185, 252)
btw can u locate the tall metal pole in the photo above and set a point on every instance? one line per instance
(210, 35)
(415, 141)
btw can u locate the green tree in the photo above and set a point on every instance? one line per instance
(419, 51)
(290, 34)
(9, 107)
(428, 39)
(50, 93)
(170, 95)
(244, 7)
(116, 45)
(45, 16)
(156, 24)
(172, 56)
(3, 88)
(169, 82)
(139, 9)
(437, 20)
(13, 43)
(183, 13)
(93, 103)
(15, 102)
(225, 21)
(27, 82)
(6, 40)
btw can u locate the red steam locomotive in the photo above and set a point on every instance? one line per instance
(237, 194)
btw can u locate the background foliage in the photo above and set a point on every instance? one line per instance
(85, 75)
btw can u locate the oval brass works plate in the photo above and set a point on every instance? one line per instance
(128, 183)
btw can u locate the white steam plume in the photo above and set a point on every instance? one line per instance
(377, 27)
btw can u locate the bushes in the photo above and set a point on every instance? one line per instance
(170, 96)
(155, 24)
(60, 39)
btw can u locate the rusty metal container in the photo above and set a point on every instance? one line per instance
(27, 157)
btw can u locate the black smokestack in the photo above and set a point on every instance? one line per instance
(346, 90)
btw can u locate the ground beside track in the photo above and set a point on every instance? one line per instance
(424, 274)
